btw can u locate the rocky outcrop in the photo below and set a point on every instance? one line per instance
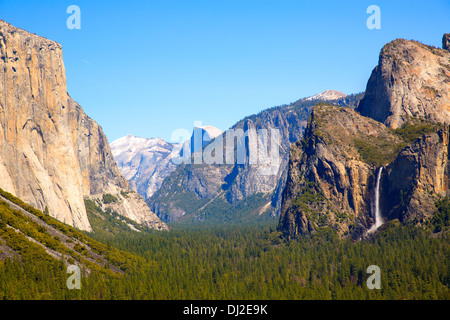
(130, 204)
(290, 121)
(402, 126)
(417, 178)
(331, 172)
(249, 178)
(410, 80)
(51, 153)
(235, 181)
(446, 41)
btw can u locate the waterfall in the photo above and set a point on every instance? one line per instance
(378, 218)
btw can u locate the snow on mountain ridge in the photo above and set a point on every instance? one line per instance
(327, 95)
(144, 162)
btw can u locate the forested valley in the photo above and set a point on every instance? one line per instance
(250, 261)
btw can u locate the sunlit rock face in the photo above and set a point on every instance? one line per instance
(410, 80)
(51, 153)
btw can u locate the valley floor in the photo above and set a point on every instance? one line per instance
(249, 262)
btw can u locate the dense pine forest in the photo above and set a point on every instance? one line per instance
(255, 263)
(242, 262)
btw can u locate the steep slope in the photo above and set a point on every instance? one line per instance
(410, 90)
(144, 162)
(201, 186)
(290, 120)
(418, 178)
(410, 80)
(52, 154)
(32, 236)
(331, 178)
(331, 174)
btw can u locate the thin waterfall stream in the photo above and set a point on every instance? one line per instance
(378, 218)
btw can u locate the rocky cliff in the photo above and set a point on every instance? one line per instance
(410, 90)
(331, 172)
(410, 80)
(446, 41)
(402, 125)
(417, 178)
(201, 136)
(51, 153)
(200, 184)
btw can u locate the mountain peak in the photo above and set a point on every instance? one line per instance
(327, 95)
(212, 131)
(202, 135)
(424, 72)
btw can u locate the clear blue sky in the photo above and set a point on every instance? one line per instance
(149, 67)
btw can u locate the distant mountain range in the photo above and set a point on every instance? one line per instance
(146, 162)
(176, 192)
(334, 176)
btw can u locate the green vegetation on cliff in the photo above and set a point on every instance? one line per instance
(109, 222)
(410, 132)
(109, 198)
(249, 210)
(377, 151)
(441, 219)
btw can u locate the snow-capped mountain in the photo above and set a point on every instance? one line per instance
(144, 162)
(327, 95)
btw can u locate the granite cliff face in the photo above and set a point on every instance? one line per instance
(332, 174)
(417, 178)
(188, 189)
(410, 80)
(330, 180)
(201, 136)
(51, 153)
(200, 184)
(401, 124)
